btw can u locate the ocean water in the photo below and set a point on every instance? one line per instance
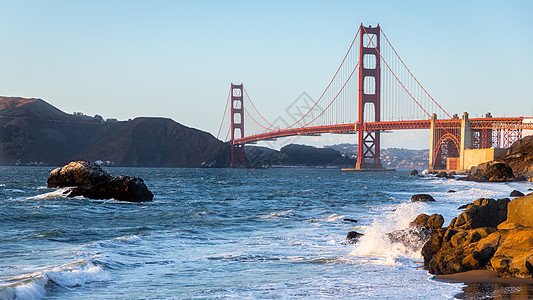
(224, 233)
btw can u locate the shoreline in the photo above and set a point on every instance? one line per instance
(482, 276)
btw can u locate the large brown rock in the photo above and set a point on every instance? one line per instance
(463, 251)
(468, 244)
(433, 222)
(514, 257)
(77, 173)
(459, 247)
(520, 157)
(89, 180)
(433, 245)
(520, 211)
(490, 172)
(483, 212)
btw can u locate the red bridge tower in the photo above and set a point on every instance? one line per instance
(369, 98)
(237, 126)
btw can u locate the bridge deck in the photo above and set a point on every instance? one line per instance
(476, 124)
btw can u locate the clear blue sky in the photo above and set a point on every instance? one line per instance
(176, 59)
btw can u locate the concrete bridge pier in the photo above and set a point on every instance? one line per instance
(455, 145)
(466, 139)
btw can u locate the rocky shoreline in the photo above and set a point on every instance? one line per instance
(489, 235)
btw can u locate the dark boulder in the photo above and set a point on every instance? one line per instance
(349, 220)
(89, 180)
(414, 172)
(490, 172)
(418, 232)
(353, 237)
(414, 237)
(516, 193)
(433, 245)
(442, 174)
(422, 198)
(123, 188)
(451, 191)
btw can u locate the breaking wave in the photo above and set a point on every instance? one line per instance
(34, 285)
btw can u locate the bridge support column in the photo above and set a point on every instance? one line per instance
(369, 97)
(238, 159)
(432, 142)
(466, 139)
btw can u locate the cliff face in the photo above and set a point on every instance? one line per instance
(33, 131)
(160, 142)
(520, 157)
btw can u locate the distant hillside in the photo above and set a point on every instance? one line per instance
(35, 132)
(296, 155)
(391, 158)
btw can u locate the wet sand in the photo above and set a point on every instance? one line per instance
(485, 284)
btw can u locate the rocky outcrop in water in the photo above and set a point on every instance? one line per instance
(490, 172)
(89, 180)
(490, 234)
(353, 237)
(422, 198)
(81, 174)
(418, 232)
(516, 193)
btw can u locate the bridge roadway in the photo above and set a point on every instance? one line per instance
(476, 124)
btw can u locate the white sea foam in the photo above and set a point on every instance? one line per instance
(33, 285)
(72, 277)
(375, 243)
(57, 193)
(285, 213)
(334, 218)
(115, 242)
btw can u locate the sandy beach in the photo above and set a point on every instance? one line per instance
(485, 284)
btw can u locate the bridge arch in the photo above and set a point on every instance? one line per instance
(447, 146)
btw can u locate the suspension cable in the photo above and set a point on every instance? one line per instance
(258, 110)
(225, 110)
(335, 98)
(246, 111)
(412, 73)
(338, 69)
(397, 76)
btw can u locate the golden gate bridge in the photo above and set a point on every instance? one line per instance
(372, 91)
